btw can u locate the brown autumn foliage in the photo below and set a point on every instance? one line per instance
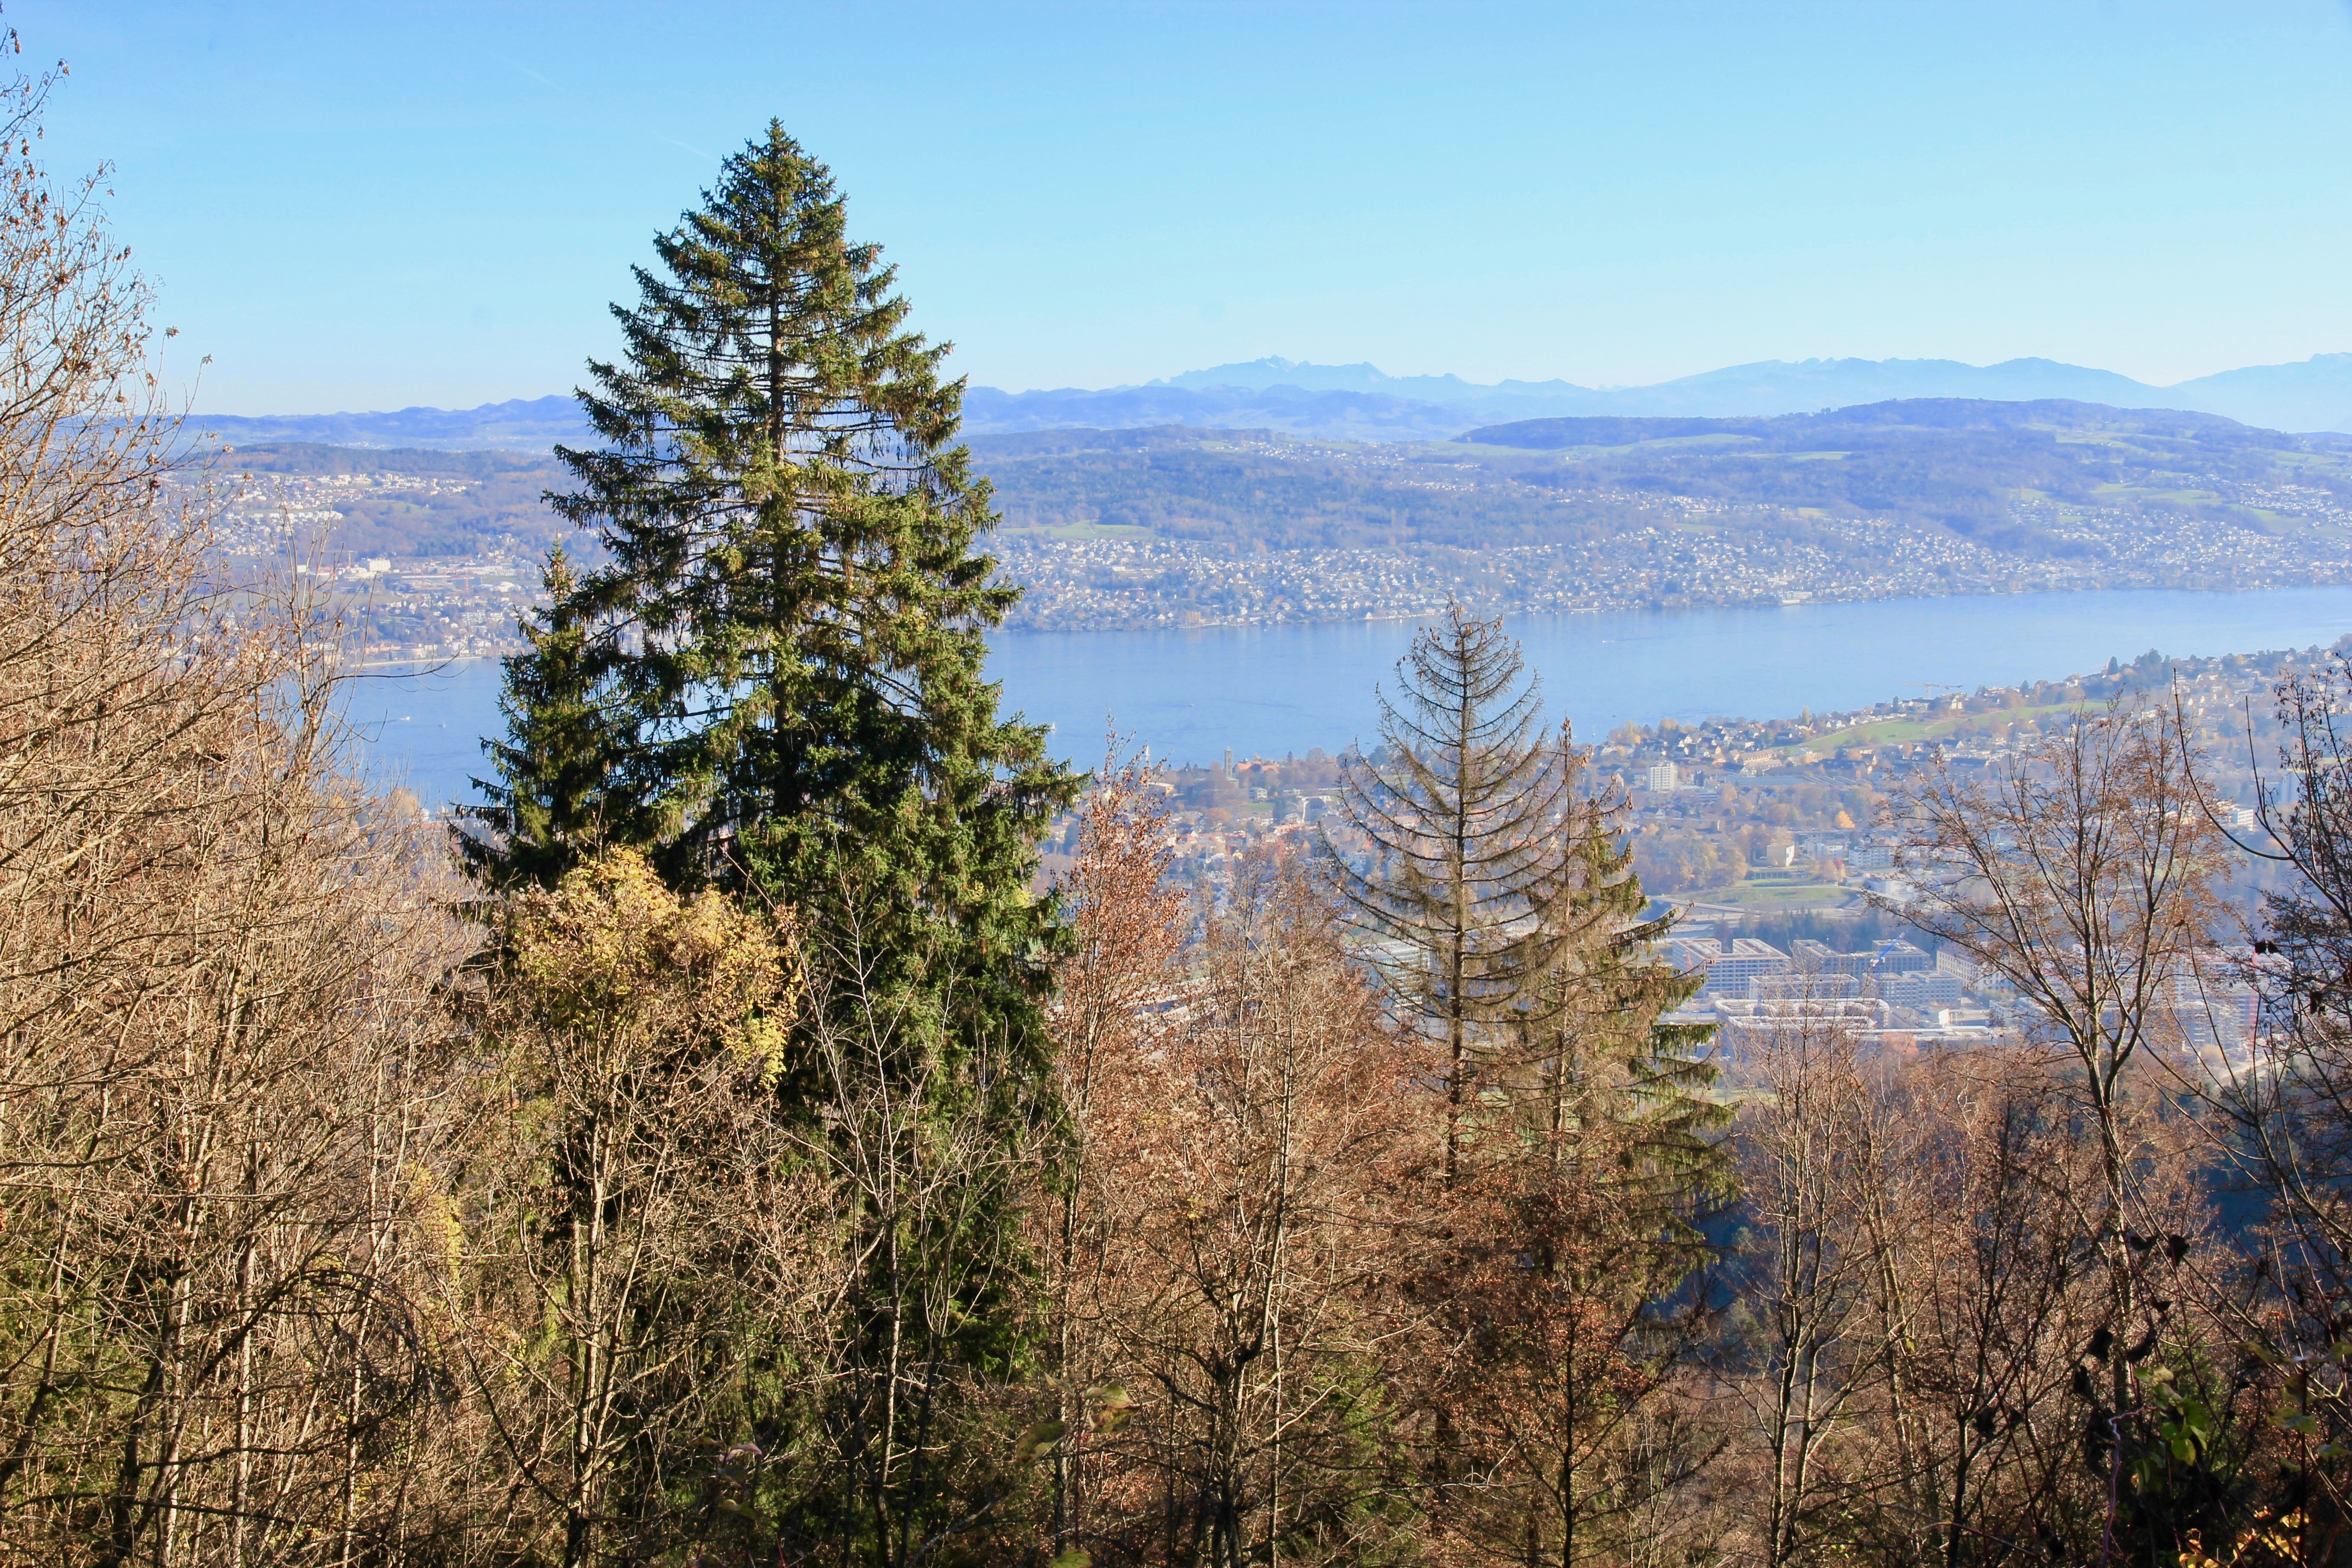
(1110, 1010)
(1255, 1157)
(1556, 1418)
(1923, 1297)
(219, 1075)
(1286, 1331)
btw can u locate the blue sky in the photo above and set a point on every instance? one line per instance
(372, 206)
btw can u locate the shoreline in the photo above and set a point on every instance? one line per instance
(1685, 608)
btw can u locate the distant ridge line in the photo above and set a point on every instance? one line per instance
(1360, 402)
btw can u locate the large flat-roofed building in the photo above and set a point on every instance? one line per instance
(1729, 966)
(1887, 958)
(1800, 985)
(1921, 989)
(1745, 1028)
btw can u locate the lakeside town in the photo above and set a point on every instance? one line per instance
(1696, 554)
(1766, 839)
(1737, 817)
(1748, 829)
(460, 596)
(393, 607)
(1744, 818)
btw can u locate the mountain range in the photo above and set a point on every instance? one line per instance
(518, 425)
(1358, 402)
(2310, 395)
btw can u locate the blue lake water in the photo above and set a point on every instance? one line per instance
(1189, 695)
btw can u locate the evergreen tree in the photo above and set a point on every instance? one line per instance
(785, 642)
(1501, 909)
(1583, 1145)
(552, 804)
(780, 663)
(1597, 1053)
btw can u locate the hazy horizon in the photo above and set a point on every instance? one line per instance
(1178, 377)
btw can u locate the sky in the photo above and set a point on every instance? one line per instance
(363, 207)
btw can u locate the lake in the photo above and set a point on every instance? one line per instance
(1190, 695)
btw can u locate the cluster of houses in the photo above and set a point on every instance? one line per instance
(1895, 995)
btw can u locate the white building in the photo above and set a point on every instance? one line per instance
(1663, 780)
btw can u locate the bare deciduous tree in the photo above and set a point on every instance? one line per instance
(219, 1068)
(1547, 1363)
(2083, 872)
(1810, 1147)
(1277, 1144)
(1114, 995)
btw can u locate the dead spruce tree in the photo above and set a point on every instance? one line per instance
(1503, 915)
(1459, 901)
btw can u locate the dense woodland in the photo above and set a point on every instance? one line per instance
(718, 1154)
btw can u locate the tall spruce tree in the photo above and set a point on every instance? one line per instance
(784, 640)
(1500, 904)
(1596, 1049)
(778, 659)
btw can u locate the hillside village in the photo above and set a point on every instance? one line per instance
(1698, 553)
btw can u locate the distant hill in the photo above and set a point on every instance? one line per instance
(1940, 422)
(1361, 403)
(2049, 480)
(1766, 387)
(1959, 465)
(2310, 394)
(519, 425)
(500, 497)
(1775, 386)
(1329, 414)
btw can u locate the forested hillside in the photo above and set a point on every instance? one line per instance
(1252, 487)
(1961, 465)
